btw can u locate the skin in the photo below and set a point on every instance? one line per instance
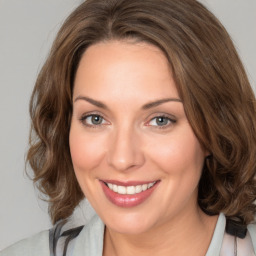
(128, 144)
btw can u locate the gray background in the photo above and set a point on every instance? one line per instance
(27, 29)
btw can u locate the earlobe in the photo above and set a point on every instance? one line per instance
(207, 152)
(208, 156)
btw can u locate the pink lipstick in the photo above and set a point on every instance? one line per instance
(128, 194)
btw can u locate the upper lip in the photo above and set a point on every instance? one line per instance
(128, 183)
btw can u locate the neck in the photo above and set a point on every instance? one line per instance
(189, 233)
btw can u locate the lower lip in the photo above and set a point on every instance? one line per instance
(127, 201)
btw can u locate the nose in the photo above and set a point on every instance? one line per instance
(125, 150)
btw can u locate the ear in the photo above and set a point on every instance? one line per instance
(207, 154)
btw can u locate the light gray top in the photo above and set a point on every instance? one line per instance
(90, 242)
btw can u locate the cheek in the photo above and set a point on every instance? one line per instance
(178, 154)
(86, 149)
(180, 158)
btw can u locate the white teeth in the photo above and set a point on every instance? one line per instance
(114, 188)
(121, 190)
(138, 189)
(144, 187)
(130, 190)
(150, 185)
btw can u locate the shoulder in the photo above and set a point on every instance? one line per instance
(69, 237)
(91, 238)
(35, 245)
(239, 241)
(223, 243)
(252, 231)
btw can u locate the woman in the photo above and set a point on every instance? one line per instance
(144, 108)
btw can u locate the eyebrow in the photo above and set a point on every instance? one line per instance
(144, 107)
(92, 101)
(159, 102)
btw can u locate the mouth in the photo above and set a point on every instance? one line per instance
(128, 194)
(129, 190)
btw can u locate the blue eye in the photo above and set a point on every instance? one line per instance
(93, 120)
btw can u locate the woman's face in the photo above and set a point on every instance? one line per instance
(134, 153)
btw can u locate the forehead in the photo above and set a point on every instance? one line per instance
(124, 69)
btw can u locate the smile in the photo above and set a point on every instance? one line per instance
(130, 194)
(130, 190)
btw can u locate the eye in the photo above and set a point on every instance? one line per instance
(161, 121)
(93, 120)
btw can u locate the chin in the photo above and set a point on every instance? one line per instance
(130, 223)
(134, 229)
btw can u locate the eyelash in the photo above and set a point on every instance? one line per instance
(168, 118)
(84, 117)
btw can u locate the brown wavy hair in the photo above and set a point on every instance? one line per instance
(210, 78)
